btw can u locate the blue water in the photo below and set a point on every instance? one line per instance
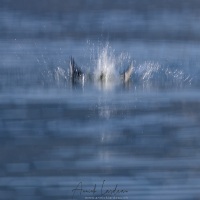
(141, 138)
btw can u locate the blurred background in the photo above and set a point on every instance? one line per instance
(117, 20)
(144, 137)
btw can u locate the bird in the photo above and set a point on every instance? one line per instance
(76, 74)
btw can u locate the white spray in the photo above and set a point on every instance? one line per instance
(106, 68)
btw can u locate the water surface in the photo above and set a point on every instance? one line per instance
(142, 137)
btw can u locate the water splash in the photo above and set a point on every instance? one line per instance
(178, 76)
(106, 66)
(60, 73)
(148, 69)
(103, 60)
(160, 75)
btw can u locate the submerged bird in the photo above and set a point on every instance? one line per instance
(75, 71)
(127, 74)
(76, 74)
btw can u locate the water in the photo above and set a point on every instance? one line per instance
(140, 139)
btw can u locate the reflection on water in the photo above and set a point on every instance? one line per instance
(141, 138)
(147, 143)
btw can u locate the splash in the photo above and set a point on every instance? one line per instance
(106, 66)
(159, 75)
(60, 76)
(148, 70)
